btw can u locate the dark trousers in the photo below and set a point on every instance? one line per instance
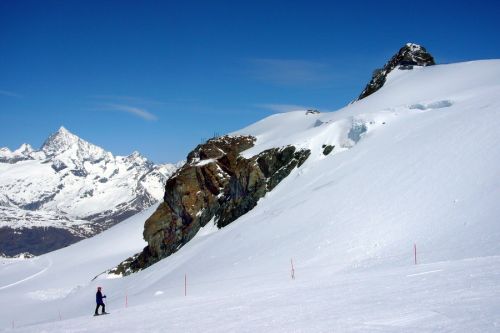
(97, 308)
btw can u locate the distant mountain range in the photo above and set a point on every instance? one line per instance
(70, 189)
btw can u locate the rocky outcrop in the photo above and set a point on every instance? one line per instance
(327, 149)
(408, 56)
(217, 184)
(312, 111)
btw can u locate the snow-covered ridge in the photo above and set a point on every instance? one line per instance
(72, 184)
(24, 152)
(405, 95)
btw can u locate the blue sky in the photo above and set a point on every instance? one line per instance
(159, 76)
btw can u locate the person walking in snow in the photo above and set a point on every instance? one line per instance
(98, 299)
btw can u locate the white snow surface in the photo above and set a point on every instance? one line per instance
(416, 163)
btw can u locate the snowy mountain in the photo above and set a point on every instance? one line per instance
(389, 225)
(70, 189)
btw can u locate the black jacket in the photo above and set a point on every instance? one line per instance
(99, 297)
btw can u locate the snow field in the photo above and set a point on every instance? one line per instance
(443, 297)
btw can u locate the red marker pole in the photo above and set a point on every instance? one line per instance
(415, 252)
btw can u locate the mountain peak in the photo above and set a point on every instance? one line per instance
(409, 55)
(135, 154)
(24, 152)
(24, 149)
(63, 130)
(59, 141)
(413, 46)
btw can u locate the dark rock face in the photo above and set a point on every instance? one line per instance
(327, 149)
(312, 111)
(215, 183)
(41, 240)
(408, 56)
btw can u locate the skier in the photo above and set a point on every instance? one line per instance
(98, 299)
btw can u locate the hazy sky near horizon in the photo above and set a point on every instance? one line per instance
(159, 76)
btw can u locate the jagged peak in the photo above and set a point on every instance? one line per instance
(24, 149)
(63, 142)
(135, 154)
(59, 141)
(413, 46)
(5, 150)
(409, 55)
(63, 130)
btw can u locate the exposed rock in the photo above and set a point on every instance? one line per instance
(327, 149)
(312, 111)
(58, 165)
(23, 255)
(408, 56)
(215, 183)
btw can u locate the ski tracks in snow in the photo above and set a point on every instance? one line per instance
(29, 277)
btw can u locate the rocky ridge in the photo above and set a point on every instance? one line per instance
(216, 185)
(408, 56)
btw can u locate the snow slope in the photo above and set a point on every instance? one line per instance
(417, 162)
